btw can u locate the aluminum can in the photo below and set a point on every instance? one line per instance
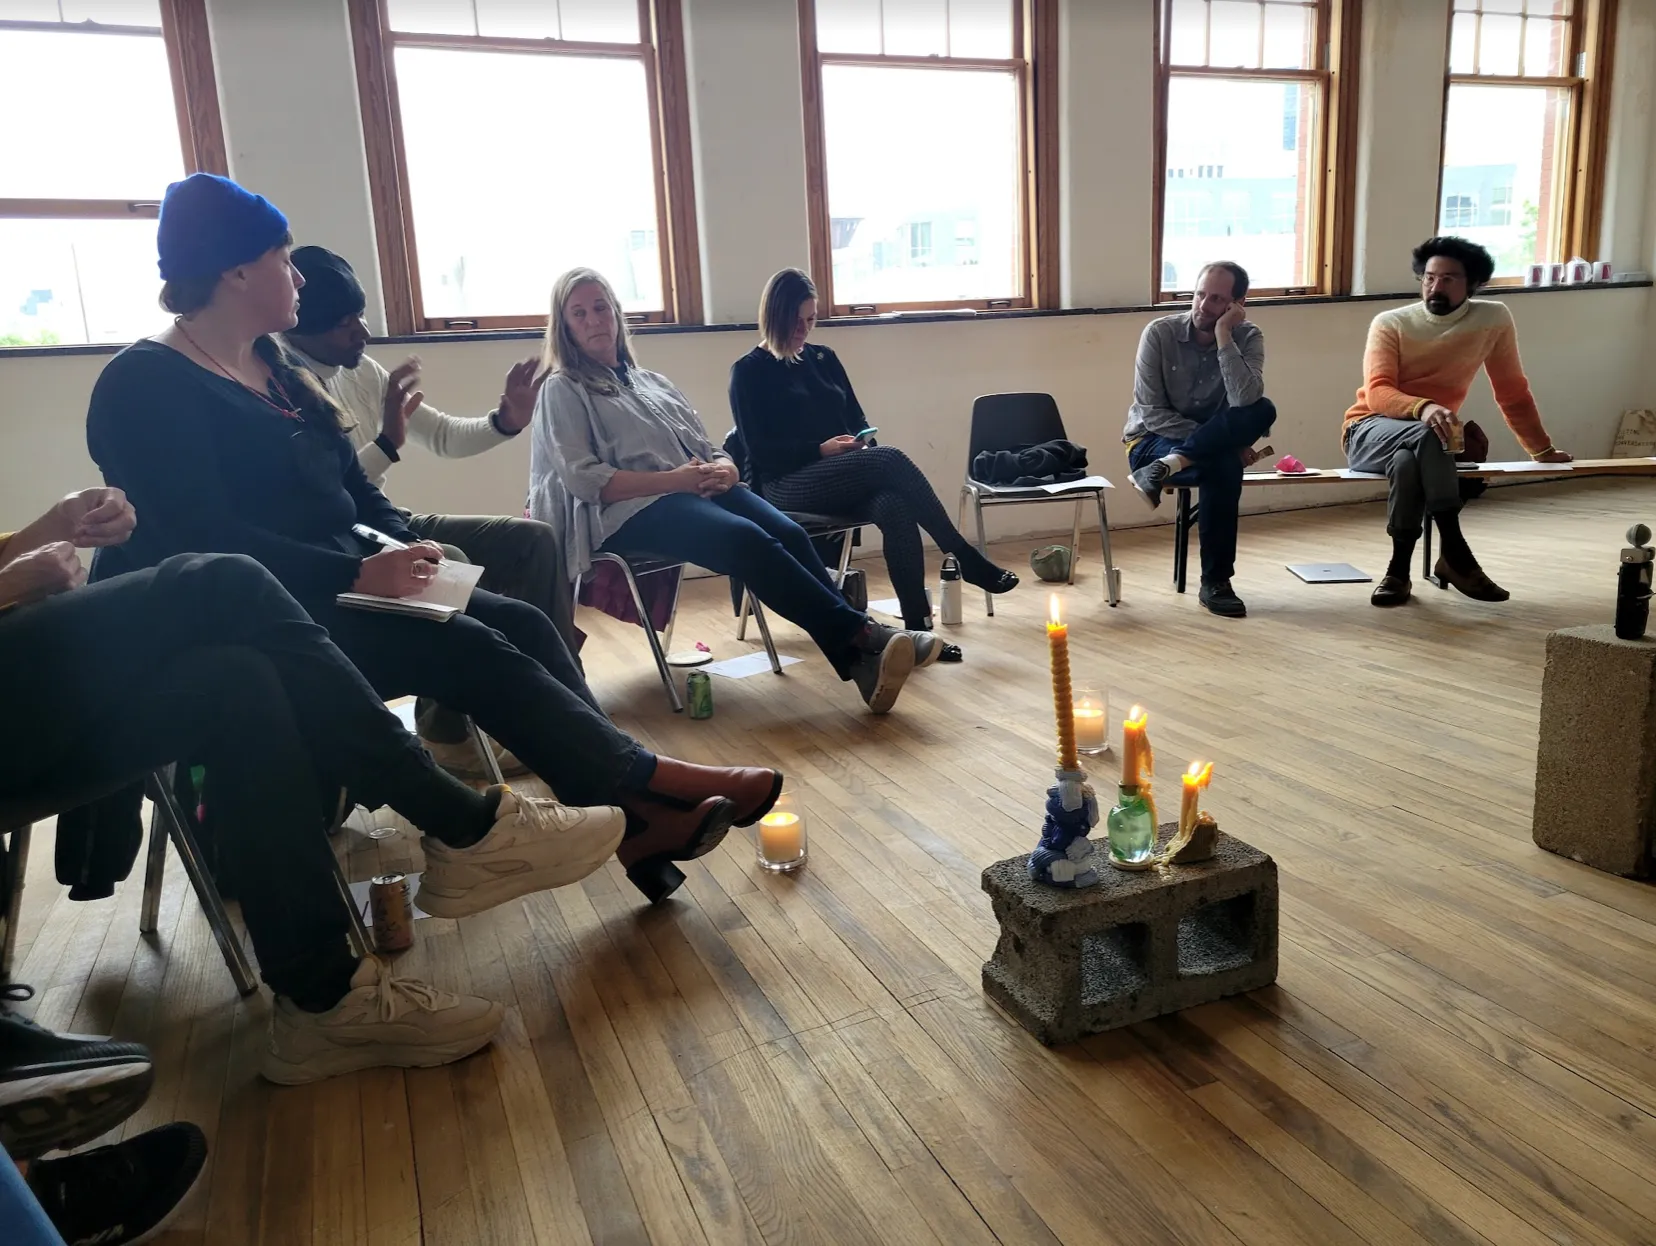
(699, 687)
(392, 912)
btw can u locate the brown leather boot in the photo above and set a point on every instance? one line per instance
(1472, 581)
(752, 790)
(661, 833)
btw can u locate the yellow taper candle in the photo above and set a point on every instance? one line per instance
(1138, 762)
(1194, 780)
(1063, 706)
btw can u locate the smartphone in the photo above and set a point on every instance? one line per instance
(867, 434)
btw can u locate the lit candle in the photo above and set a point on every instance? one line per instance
(1138, 762)
(1090, 714)
(781, 837)
(1063, 705)
(1195, 780)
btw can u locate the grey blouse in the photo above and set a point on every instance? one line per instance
(581, 439)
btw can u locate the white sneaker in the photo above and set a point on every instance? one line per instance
(534, 844)
(384, 1021)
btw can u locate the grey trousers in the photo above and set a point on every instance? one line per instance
(1422, 472)
(521, 558)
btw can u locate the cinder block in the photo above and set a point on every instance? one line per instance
(1072, 963)
(1595, 769)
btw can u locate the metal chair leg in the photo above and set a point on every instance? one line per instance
(742, 618)
(1183, 518)
(362, 943)
(845, 557)
(1075, 541)
(485, 752)
(17, 863)
(672, 614)
(201, 880)
(155, 870)
(1112, 577)
(764, 632)
(983, 548)
(656, 651)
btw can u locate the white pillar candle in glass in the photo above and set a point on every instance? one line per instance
(780, 838)
(1092, 717)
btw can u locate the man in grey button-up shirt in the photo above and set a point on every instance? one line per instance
(1198, 407)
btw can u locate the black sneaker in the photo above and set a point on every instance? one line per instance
(115, 1195)
(1149, 480)
(880, 675)
(1220, 600)
(63, 1090)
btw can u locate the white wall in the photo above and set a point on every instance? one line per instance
(285, 75)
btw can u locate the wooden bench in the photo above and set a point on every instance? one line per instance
(1186, 511)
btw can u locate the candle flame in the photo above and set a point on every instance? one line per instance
(1136, 717)
(1199, 775)
(1052, 610)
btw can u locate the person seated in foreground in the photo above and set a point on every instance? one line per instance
(206, 659)
(60, 1091)
(640, 476)
(520, 557)
(1198, 407)
(1418, 366)
(225, 444)
(810, 448)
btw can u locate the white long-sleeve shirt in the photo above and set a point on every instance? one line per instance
(361, 391)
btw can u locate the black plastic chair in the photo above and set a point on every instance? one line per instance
(1008, 422)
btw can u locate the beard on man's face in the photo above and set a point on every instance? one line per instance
(1440, 304)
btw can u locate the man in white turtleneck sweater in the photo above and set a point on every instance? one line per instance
(521, 558)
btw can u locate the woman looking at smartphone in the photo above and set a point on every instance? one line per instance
(810, 448)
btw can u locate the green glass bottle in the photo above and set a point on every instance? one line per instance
(1132, 830)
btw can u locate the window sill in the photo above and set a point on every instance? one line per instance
(854, 322)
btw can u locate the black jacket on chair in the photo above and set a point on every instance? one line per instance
(1051, 462)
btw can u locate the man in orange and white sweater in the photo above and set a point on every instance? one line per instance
(1419, 364)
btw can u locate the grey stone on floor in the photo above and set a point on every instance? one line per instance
(1595, 770)
(1072, 963)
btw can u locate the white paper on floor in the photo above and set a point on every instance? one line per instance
(359, 897)
(887, 605)
(756, 663)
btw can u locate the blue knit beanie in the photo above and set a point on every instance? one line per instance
(210, 225)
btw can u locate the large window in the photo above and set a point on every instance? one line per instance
(1520, 167)
(510, 141)
(110, 101)
(1250, 97)
(926, 149)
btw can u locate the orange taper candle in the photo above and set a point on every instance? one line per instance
(1138, 762)
(1194, 780)
(1063, 704)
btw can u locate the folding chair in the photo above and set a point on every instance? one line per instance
(1011, 421)
(633, 566)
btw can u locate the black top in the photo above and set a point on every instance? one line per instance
(785, 411)
(210, 467)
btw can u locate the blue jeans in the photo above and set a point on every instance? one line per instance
(1213, 449)
(740, 534)
(22, 1222)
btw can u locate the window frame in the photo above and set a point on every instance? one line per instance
(1339, 36)
(195, 101)
(1592, 44)
(661, 51)
(1035, 67)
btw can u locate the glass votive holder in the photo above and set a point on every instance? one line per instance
(780, 840)
(1091, 711)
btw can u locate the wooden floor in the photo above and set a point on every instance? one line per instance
(1461, 1046)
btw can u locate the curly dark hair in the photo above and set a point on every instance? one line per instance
(1478, 263)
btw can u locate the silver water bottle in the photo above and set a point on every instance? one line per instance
(948, 606)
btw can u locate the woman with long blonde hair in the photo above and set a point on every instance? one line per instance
(625, 458)
(810, 448)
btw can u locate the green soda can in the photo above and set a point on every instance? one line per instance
(699, 686)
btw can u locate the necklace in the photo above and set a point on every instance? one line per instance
(287, 412)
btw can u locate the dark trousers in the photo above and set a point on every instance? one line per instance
(206, 658)
(1422, 473)
(882, 483)
(1216, 468)
(521, 558)
(738, 533)
(503, 663)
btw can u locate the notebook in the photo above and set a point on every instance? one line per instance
(446, 596)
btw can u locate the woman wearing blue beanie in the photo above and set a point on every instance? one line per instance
(223, 444)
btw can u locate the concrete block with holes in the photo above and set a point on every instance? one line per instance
(1073, 963)
(1595, 769)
